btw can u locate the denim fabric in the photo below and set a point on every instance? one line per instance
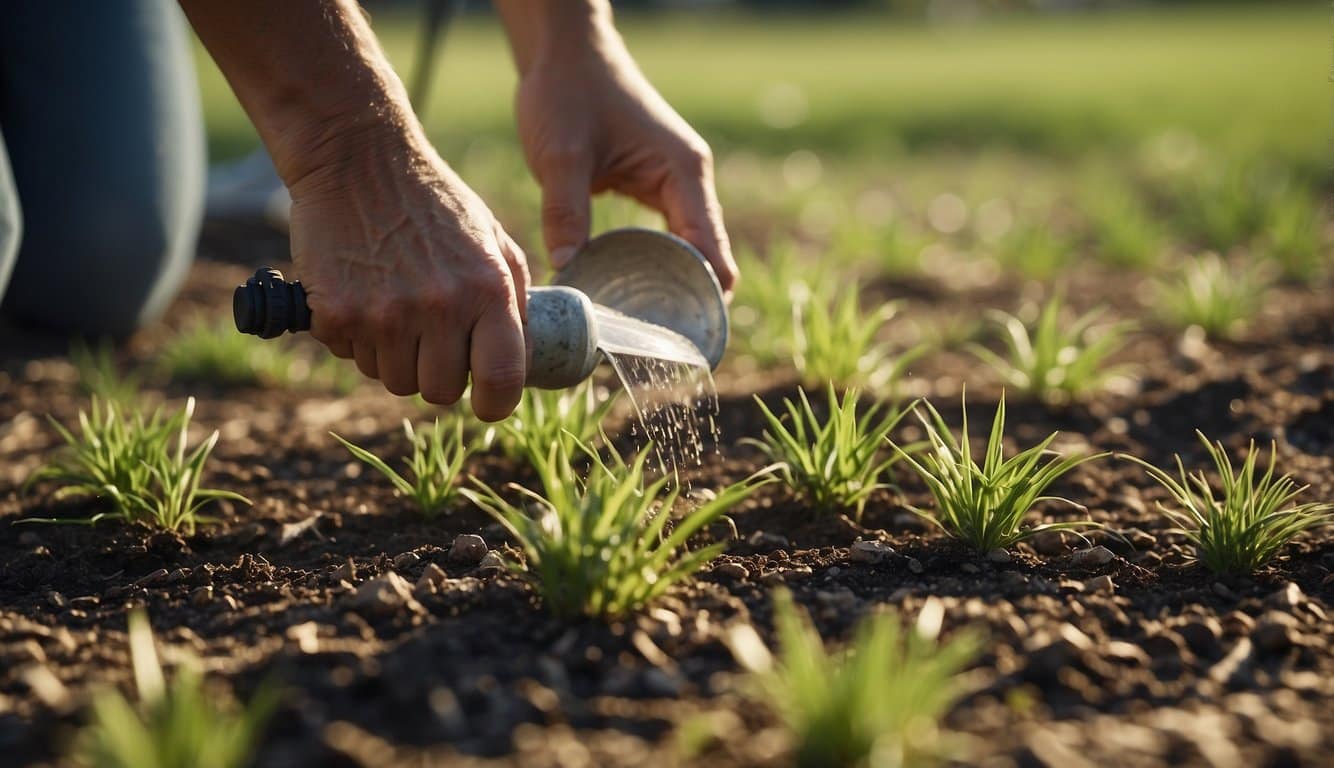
(101, 125)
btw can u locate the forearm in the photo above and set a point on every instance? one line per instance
(311, 76)
(552, 30)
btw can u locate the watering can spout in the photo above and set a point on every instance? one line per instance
(630, 291)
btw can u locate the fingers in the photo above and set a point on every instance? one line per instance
(565, 207)
(693, 213)
(518, 263)
(498, 360)
(363, 352)
(442, 365)
(396, 362)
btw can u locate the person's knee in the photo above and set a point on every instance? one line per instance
(11, 225)
(103, 267)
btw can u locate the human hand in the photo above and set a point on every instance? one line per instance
(590, 122)
(408, 272)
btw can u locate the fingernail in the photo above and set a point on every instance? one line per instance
(561, 256)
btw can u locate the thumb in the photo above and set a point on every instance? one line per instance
(565, 212)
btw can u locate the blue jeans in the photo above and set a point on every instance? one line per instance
(102, 163)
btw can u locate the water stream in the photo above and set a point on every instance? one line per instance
(669, 385)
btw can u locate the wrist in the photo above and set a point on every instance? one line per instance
(559, 33)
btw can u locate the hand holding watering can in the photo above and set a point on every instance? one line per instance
(649, 287)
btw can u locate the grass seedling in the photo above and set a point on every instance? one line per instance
(877, 703)
(1211, 294)
(130, 460)
(1055, 360)
(833, 462)
(545, 417)
(214, 353)
(1034, 249)
(1123, 232)
(1293, 239)
(181, 724)
(433, 468)
(762, 308)
(100, 376)
(600, 547)
(985, 505)
(834, 340)
(1251, 517)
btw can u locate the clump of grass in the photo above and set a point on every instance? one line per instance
(1123, 232)
(433, 468)
(181, 724)
(985, 504)
(1055, 360)
(1212, 294)
(1251, 517)
(879, 702)
(1293, 239)
(834, 462)
(1226, 206)
(130, 460)
(545, 417)
(761, 312)
(893, 247)
(212, 352)
(600, 546)
(100, 376)
(1034, 249)
(834, 340)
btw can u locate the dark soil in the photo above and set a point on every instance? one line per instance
(1146, 660)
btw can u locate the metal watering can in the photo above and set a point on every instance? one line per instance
(632, 291)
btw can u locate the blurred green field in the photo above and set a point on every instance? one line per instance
(1246, 81)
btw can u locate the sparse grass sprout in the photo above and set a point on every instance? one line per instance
(433, 468)
(985, 504)
(834, 462)
(181, 724)
(1210, 293)
(1056, 360)
(1248, 520)
(142, 465)
(878, 702)
(600, 546)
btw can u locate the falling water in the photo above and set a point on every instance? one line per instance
(669, 384)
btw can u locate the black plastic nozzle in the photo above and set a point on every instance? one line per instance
(268, 306)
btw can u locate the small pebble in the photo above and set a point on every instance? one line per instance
(384, 595)
(1100, 585)
(1093, 557)
(492, 562)
(201, 596)
(406, 560)
(733, 571)
(1050, 543)
(433, 577)
(869, 551)
(468, 548)
(999, 556)
(346, 572)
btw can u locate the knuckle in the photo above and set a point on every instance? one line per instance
(441, 394)
(501, 378)
(494, 288)
(697, 157)
(438, 300)
(559, 213)
(400, 387)
(387, 316)
(563, 156)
